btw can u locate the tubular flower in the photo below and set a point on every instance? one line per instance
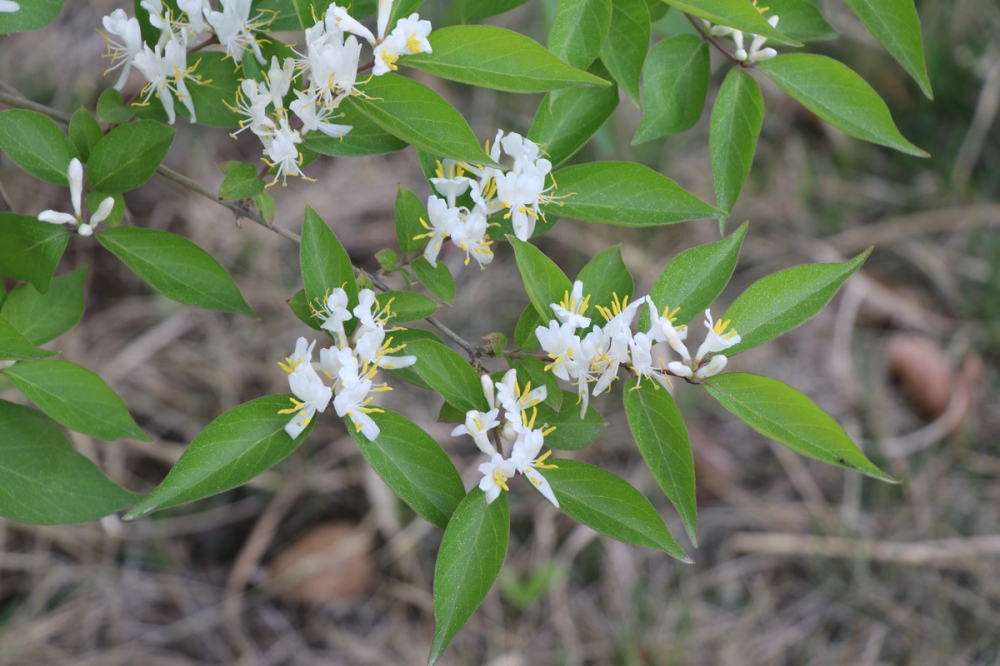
(717, 339)
(526, 459)
(122, 53)
(74, 174)
(165, 69)
(408, 37)
(477, 426)
(570, 310)
(662, 329)
(495, 473)
(234, 28)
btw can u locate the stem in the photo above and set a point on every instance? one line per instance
(214, 39)
(713, 41)
(19, 102)
(366, 67)
(6, 199)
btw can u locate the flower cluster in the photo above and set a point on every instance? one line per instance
(84, 227)
(596, 357)
(351, 364)
(516, 428)
(520, 192)
(756, 52)
(329, 65)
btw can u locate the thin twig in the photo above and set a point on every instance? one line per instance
(19, 102)
(6, 199)
(214, 39)
(713, 41)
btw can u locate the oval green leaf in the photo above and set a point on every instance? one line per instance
(543, 279)
(782, 301)
(230, 451)
(241, 181)
(659, 432)
(409, 211)
(524, 332)
(36, 144)
(365, 138)
(625, 49)
(77, 398)
(84, 132)
(472, 552)
(325, 264)
(737, 117)
(674, 87)
(414, 466)
(787, 416)
(418, 115)
(175, 267)
(32, 15)
(404, 306)
(801, 20)
(215, 96)
(571, 433)
(44, 317)
(738, 14)
(610, 505)
(44, 480)
(624, 194)
(835, 93)
(499, 59)
(448, 374)
(606, 278)
(128, 155)
(31, 249)
(110, 109)
(16, 347)
(579, 30)
(437, 279)
(896, 25)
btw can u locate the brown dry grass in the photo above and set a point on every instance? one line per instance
(799, 563)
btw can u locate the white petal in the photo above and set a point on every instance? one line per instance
(539, 482)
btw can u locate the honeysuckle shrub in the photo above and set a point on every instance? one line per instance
(341, 91)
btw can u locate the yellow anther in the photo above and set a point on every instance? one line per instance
(721, 326)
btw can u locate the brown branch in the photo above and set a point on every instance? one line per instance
(713, 41)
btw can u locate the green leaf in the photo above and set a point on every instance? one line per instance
(175, 267)
(265, 204)
(564, 122)
(499, 59)
(785, 300)
(414, 466)
(43, 317)
(896, 25)
(610, 505)
(624, 194)
(448, 374)
(14, 346)
(839, 96)
(524, 333)
(659, 432)
(543, 279)
(736, 121)
(738, 14)
(788, 417)
(285, 17)
(605, 278)
(299, 306)
(472, 552)
(674, 86)
(77, 398)
(31, 249)
(36, 144)
(801, 20)
(365, 138)
(532, 369)
(438, 280)
(579, 30)
(325, 264)
(625, 49)
(84, 132)
(32, 15)
(407, 336)
(695, 278)
(571, 433)
(44, 480)
(418, 115)
(230, 451)
(409, 211)
(470, 11)
(128, 155)
(110, 108)
(241, 181)
(215, 96)
(406, 306)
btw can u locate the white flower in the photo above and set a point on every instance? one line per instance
(301, 356)
(332, 65)
(514, 399)
(195, 11)
(9, 6)
(522, 191)
(470, 235)
(757, 54)
(662, 329)
(74, 174)
(122, 53)
(451, 188)
(443, 221)
(409, 36)
(101, 214)
(165, 71)
(337, 18)
(234, 28)
(717, 339)
(571, 308)
(560, 341)
(712, 368)
(334, 313)
(279, 146)
(679, 369)
(313, 114)
(252, 101)
(477, 425)
(312, 396)
(352, 401)
(279, 80)
(495, 473)
(526, 459)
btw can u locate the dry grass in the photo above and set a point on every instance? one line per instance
(799, 563)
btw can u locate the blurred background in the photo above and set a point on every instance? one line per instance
(316, 563)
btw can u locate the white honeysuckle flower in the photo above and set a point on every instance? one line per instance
(443, 221)
(477, 425)
(252, 101)
(234, 28)
(56, 217)
(156, 17)
(571, 308)
(279, 146)
(101, 214)
(334, 313)
(757, 54)
(515, 399)
(367, 310)
(122, 53)
(740, 53)
(495, 473)
(488, 390)
(470, 235)
(352, 402)
(313, 114)
(712, 368)
(337, 18)
(408, 37)
(329, 361)
(312, 396)
(662, 329)
(560, 341)
(640, 355)
(165, 72)
(451, 188)
(279, 80)
(523, 151)
(333, 67)
(74, 174)
(195, 11)
(9, 6)
(526, 460)
(384, 11)
(680, 370)
(522, 191)
(386, 54)
(717, 339)
(301, 356)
